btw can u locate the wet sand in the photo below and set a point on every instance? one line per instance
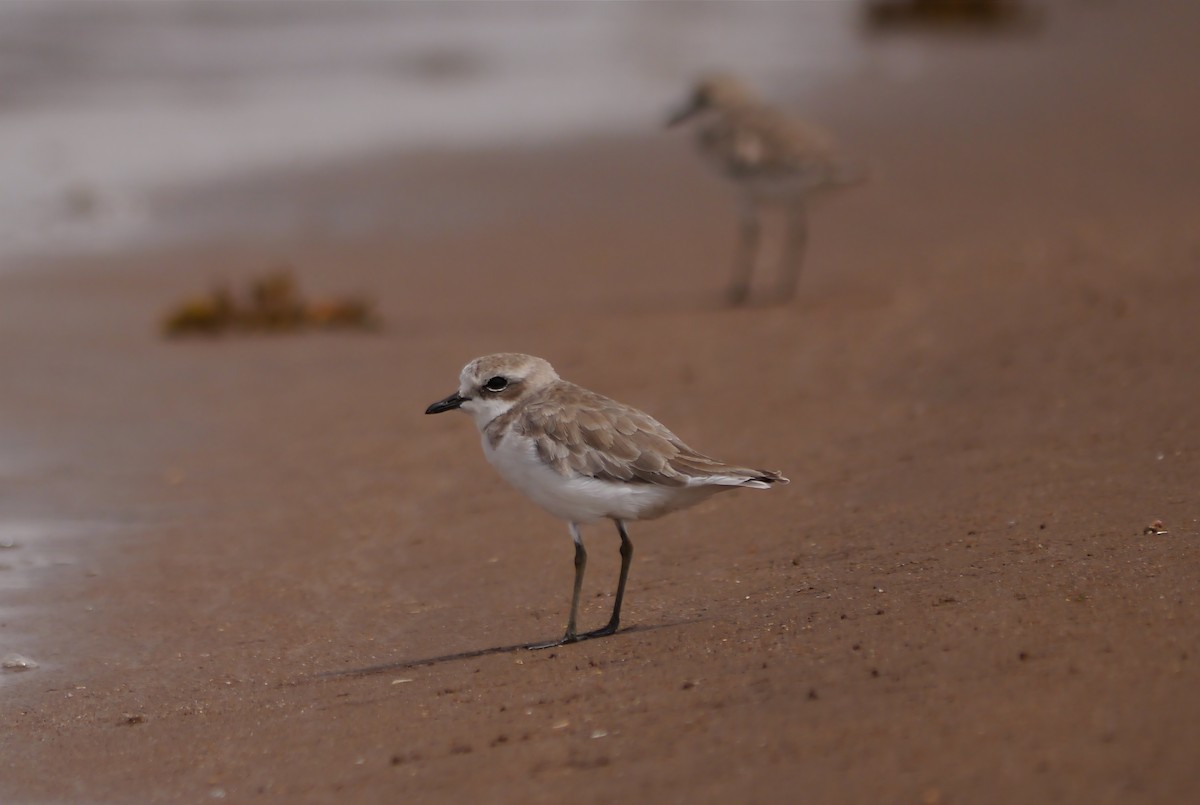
(983, 394)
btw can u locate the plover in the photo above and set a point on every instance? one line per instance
(772, 158)
(584, 457)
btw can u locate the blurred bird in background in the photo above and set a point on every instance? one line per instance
(772, 158)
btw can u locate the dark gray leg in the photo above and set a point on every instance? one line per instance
(580, 565)
(747, 253)
(793, 250)
(626, 557)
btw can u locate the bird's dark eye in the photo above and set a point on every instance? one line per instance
(497, 383)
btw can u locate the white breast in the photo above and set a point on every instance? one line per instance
(581, 499)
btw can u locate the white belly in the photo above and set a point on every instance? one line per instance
(582, 499)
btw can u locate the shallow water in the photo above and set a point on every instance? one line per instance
(101, 104)
(29, 549)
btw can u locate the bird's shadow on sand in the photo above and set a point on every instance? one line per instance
(402, 665)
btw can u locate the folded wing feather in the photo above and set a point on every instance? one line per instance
(594, 436)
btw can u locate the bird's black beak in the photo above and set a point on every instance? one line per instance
(683, 113)
(448, 404)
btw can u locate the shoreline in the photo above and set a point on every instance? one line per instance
(86, 154)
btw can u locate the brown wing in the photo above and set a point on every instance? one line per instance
(577, 431)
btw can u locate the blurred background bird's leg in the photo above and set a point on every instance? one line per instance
(794, 246)
(747, 250)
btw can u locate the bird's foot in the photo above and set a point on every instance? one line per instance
(603, 631)
(562, 641)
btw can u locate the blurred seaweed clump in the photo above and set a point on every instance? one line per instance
(887, 14)
(271, 303)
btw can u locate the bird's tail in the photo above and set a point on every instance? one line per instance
(701, 470)
(744, 476)
(763, 479)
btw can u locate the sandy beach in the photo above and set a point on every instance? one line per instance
(252, 570)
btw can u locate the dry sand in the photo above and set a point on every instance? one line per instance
(984, 393)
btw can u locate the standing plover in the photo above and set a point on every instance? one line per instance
(773, 158)
(584, 457)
